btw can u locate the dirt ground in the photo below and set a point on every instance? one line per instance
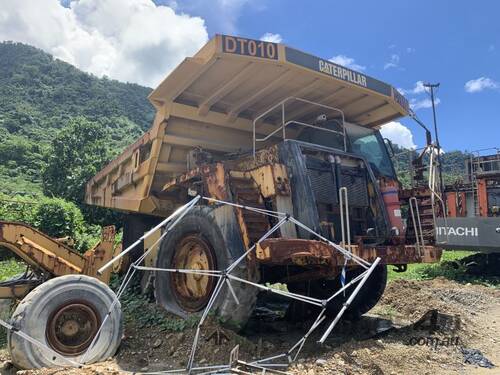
(419, 327)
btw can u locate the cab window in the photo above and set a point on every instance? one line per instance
(370, 144)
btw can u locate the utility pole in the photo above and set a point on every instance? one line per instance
(431, 87)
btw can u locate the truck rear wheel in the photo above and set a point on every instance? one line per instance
(134, 227)
(65, 314)
(197, 242)
(367, 298)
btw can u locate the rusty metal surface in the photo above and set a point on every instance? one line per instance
(17, 291)
(208, 103)
(252, 225)
(39, 250)
(192, 291)
(72, 326)
(482, 197)
(213, 177)
(52, 257)
(279, 251)
(100, 254)
(266, 156)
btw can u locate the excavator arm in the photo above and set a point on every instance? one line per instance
(49, 257)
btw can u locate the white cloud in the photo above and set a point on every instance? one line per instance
(480, 84)
(348, 62)
(393, 63)
(270, 37)
(491, 48)
(128, 40)
(417, 104)
(418, 88)
(410, 50)
(398, 134)
(220, 15)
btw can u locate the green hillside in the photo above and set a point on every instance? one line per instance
(40, 95)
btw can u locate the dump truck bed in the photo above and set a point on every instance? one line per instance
(210, 101)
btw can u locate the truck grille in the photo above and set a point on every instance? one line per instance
(323, 186)
(322, 180)
(355, 182)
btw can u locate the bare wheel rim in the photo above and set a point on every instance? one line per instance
(72, 327)
(192, 291)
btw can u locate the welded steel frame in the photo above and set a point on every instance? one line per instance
(285, 123)
(225, 278)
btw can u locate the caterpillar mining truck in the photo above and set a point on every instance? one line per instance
(264, 125)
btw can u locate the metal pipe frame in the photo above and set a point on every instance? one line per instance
(415, 217)
(347, 253)
(283, 117)
(181, 210)
(37, 343)
(285, 124)
(344, 216)
(349, 301)
(224, 279)
(254, 209)
(432, 188)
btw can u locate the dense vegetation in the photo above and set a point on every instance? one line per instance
(58, 127)
(54, 216)
(40, 95)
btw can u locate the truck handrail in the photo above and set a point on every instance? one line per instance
(433, 187)
(285, 123)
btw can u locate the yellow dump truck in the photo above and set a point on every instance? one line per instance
(264, 125)
(255, 124)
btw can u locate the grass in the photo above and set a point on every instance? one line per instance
(141, 310)
(449, 267)
(10, 267)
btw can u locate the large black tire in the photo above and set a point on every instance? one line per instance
(64, 313)
(200, 229)
(366, 299)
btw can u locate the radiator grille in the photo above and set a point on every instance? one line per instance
(356, 189)
(323, 186)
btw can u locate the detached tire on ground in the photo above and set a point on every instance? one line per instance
(367, 298)
(65, 313)
(198, 241)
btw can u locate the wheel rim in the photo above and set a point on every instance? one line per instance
(71, 327)
(192, 291)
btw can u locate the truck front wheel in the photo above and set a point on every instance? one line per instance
(197, 243)
(366, 299)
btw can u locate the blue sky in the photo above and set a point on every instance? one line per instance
(451, 42)
(456, 43)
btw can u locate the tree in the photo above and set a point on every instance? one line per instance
(76, 154)
(58, 218)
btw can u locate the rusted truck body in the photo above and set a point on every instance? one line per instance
(264, 125)
(48, 257)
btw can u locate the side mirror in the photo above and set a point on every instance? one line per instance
(390, 148)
